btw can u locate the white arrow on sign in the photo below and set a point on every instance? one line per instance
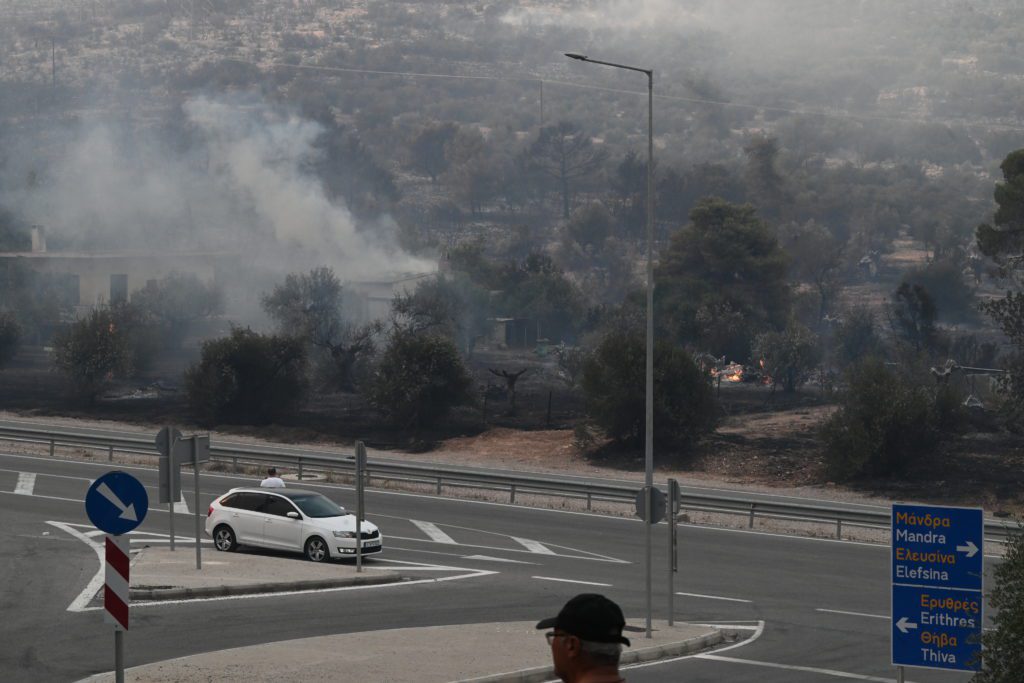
(970, 549)
(127, 511)
(904, 626)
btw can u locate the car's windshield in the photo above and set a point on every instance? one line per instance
(315, 505)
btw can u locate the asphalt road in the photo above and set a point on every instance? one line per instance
(818, 608)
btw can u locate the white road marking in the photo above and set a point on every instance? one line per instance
(494, 559)
(713, 597)
(433, 532)
(534, 546)
(854, 614)
(758, 630)
(793, 667)
(181, 507)
(594, 557)
(26, 483)
(585, 583)
(80, 604)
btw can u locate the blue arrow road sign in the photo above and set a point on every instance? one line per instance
(116, 503)
(937, 546)
(936, 628)
(937, 599)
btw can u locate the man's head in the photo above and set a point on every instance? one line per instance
(272, 472)
(586, 634)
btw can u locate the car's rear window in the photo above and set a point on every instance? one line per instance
(244, 501)
(316, 505)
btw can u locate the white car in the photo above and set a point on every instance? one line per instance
(288, 519)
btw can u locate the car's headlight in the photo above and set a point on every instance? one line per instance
(344, 534)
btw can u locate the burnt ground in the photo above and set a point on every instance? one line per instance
(765, 440)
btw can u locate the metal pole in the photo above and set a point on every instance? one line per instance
(195, 470)
(649, 430)
(673, 498)
(360, 467)
(649, 379)
(171, 467)
(118, 655)
(899, 674)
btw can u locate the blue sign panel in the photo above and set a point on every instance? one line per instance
(937, 599)
(936, 628)
(116, 503)
(937, 546)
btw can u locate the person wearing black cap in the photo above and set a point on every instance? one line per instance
(586, 640)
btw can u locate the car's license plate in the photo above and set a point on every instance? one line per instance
(371, 544)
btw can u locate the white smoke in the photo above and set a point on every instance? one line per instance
(244, 187)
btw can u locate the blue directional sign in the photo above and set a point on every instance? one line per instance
(937, 599)
(116, 503)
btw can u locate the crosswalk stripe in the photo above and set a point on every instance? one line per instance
(435, 533)
(533, 546)
(26, 483)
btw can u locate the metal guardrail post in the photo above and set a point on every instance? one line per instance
(234, 464)
(839, 529)
(512, 493)
(751, 524)
(300, 469)
(439, 485)
(110, 454)
(588, 501)
(53, 445)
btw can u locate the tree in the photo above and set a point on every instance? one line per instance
(247, 377)
(510, 383)
(944, 281)
(565, 153)
(428, 148)
(177, 302)
(538, 289)
(309, 307)
(789, 355)
(912, 315)
(1003, 659)
(10, 336)
(474, 171)
(857, 337)
(613, 384)
(1004, 243)
(418, 379)
(723, 279)
(451, 305)
(767, 185)
(94, 350)
(883, 425)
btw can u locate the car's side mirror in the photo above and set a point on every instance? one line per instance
(293, 514)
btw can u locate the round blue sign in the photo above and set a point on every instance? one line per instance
(116, 503)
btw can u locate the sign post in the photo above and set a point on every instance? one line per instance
(360, 471)
(673, 563)
(937, 584)
(650, 507)
(167, 440)
(200, 449)
(117, 503)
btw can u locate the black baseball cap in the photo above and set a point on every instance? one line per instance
(590, 616)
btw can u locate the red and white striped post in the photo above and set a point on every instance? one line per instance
(116, 600)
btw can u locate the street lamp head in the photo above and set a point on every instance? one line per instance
(576, 55)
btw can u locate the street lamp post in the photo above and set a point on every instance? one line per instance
(649, 378)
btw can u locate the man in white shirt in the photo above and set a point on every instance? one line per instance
(272, 481)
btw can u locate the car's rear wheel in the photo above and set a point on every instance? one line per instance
(316, 549)
(224, 538)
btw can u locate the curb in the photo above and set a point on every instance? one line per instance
(647, 654)
(178, 593)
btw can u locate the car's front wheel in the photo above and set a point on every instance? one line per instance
(224, 538)
(316, 549)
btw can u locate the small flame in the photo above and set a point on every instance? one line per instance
(733, 372)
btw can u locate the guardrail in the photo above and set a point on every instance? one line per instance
(238, 455)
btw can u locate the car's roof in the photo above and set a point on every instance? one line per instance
(279, 490)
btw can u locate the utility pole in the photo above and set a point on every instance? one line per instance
(53, 63)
